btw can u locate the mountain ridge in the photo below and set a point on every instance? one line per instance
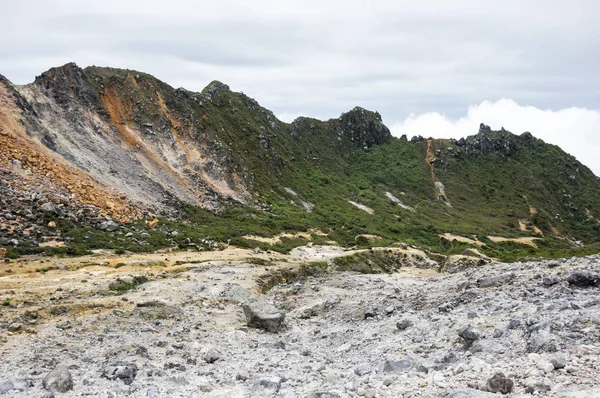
(165, 151)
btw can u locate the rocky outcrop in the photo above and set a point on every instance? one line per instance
(364, 128)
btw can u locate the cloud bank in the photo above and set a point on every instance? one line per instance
(575, 130)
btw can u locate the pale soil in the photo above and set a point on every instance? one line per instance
(530, 241)
(277, 238)
(362, 207)
(450, 237)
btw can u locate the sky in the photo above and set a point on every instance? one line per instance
(430, 67)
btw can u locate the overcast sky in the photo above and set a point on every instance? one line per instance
(436, 68)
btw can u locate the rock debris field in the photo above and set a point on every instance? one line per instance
(234, 327)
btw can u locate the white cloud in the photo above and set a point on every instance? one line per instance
(575, 130)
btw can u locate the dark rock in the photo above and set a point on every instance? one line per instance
(583, 279)
(59, 380)
(125, 371)
(470, 334)
(500, 383)
(265, 317)
(403, 324)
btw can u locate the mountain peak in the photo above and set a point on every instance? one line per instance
(364, 128)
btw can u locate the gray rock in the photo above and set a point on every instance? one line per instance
(495, 280)
(550, 280)
(108, 226)
(267, 383)
(265, 317)
(403, 324)
(558, 361)
(323, 394)
(467, 393)
(15, 327)
(363, 369)
(211, 356)
(125, 371)
(470, 334)
(404, 365)
(59, 380)
(583, 279)
(14, 384)
(48, 207)
(500, 383)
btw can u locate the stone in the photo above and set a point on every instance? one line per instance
(13, 384)
(48, 207)
(470, 334)
(15, 327)
(267, 383)
(266, 317)
(495, 280)
(467, 393)
(108, 226)
(583, 279)
(550, 280)
(404, 365)
(211, 355)
(558, 361)
(403, 324)
(124, 371)
(363, 369)
(546, 366)
(500, 383)
(59, 380)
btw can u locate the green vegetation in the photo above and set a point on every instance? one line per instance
(121, 286)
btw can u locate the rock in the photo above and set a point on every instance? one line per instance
(323, 394)
(363, 369)
(404, 365)
(15, 327)
(59, 380)
(13, 384)
(542, 341)
(470, 334)
(558, 361)
(108, 226)
(500, 383)
(546, 366)
(211, 355)
(550, 280)
(403, 324)
(266, 317)
(583, 279)
(467, 393)
(125, 371)
(495, 280)
(269, 383)
(48, 207)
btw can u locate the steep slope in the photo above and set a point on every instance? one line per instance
(219, 166)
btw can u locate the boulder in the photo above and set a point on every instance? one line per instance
(108, 226)
(264, 316)
(59, 380)
(583, 279)
(125, 371)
